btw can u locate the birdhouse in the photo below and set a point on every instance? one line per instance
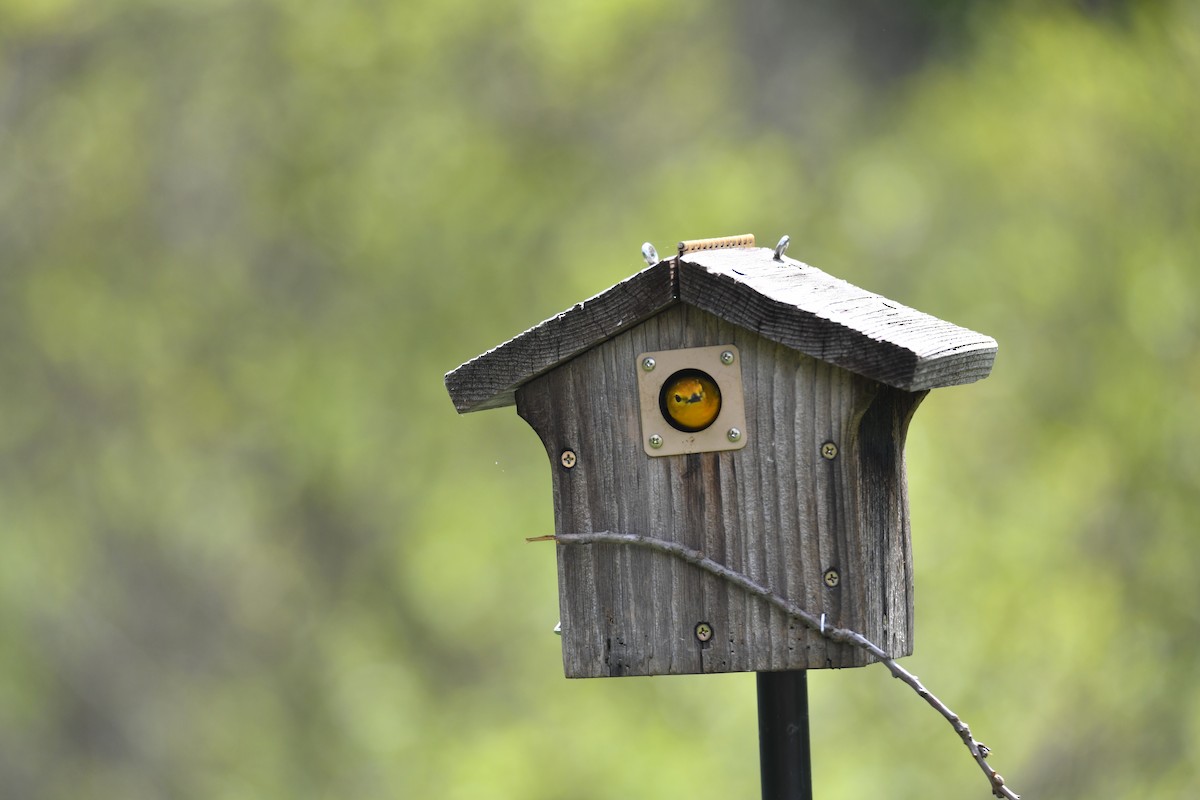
(745, 405)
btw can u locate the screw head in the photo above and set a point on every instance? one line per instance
(727, 357)
(832, 578)
(704, 631)
(568, 458)
(656, 441)
(734, 435)
(648, 364)
(829, 450)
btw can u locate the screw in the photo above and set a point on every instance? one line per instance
(649, 254)
(648, 364)
(727, 357)
(782, 247)
(704, 631)
(656, 441)
(568, 458)
(832, 578)
(829, 450)
(734, 435)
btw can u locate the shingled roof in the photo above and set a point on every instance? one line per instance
(783, 300)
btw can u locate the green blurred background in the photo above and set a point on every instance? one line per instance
(250, 551)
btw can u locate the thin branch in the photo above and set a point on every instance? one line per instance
(978, 750)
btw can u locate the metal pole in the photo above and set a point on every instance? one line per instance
(783, 735)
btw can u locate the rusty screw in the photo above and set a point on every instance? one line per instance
(568, 458)
(832, 578)
(704, 631)
(829, 450)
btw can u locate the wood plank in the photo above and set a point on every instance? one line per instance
(490, 379)
(785, 301)
(810, 311)
(776, 510)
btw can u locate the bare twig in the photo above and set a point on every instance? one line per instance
(978, 751)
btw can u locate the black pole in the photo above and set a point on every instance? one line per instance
(783, 735)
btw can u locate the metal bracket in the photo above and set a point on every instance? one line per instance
(722, 363)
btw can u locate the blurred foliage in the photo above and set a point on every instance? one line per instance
(250, 550)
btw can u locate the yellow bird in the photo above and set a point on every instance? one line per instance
(690, 400)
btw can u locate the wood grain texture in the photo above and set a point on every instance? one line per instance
(776, 510)
(786, 302)
(489, 380)
(808, 310)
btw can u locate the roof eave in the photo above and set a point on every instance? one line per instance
(807, 310)
(783, 300)
(491, 379)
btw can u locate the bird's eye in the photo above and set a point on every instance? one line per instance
(695, 400)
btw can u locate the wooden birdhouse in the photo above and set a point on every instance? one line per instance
(750, 407)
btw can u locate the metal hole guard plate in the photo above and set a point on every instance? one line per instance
(732, 416)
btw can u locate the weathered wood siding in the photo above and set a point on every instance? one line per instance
(776, 510)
